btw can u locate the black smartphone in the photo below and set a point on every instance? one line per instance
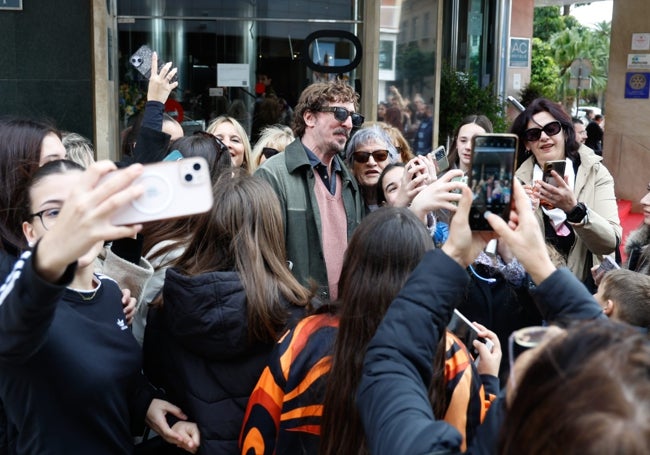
(141, 61)
(557, 166)
(492, 172)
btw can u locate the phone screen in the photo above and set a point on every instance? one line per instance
(492, 173)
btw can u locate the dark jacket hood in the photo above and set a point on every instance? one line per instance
(206, 313)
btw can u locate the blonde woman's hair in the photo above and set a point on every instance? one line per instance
(246, 163)
(274, 136)
(78, 149)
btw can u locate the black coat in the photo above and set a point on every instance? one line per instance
(196, 347)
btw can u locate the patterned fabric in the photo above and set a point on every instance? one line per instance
(284, 411)
(285, 408)
(467, 397)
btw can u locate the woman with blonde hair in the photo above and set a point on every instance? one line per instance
(229, 131)
(273, 140)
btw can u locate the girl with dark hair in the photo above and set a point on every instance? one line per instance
(24, 146)
(579, 216)
(164, 241)
(224, 304)
(310, 374)
(460, 154)
(62, 322)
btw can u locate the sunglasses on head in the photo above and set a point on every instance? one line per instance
(341, 114)
(268, 152)
(377, 155)
(551, 129)
(221, 147)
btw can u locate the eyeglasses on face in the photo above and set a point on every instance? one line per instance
(377, 155)
(551, 129)
(47, 216)
(341, 114)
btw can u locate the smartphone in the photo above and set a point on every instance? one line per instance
(491, 175)
(557, 166)
(467, 332)
(608, 264)
(141, 61)
(172, 189)
(439, 156)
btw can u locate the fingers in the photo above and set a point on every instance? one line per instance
(154, 64)
(175, 410)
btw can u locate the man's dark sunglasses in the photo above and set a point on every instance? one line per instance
(341, 114)
(551, 129)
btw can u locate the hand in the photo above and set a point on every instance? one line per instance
(128, 305)
(190, 433)
(438, 195)
(490, 360)
(157, 421)
(524, 236)
(160, 85)
(87, 213)
(560, 196)
(533, 196)
(597, 273)
(463, 245)
(412, 182)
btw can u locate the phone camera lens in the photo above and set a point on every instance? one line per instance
(189, 177)
(197, 166)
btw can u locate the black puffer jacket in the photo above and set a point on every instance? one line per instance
(196, 347)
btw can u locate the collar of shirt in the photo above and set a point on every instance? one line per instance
(321, 169)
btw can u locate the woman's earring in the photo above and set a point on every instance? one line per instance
(31, 244)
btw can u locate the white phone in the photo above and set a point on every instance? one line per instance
(172, 189)
(464, 329)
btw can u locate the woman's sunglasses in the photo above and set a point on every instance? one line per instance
(377, 155)
(268, 152)
(341, 114)
(551, 129)
(220, 146)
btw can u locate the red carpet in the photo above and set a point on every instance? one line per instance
(629, 221)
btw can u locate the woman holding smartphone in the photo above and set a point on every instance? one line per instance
(579, 216)
(63, 325)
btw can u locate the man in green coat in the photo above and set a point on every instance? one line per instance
(320, 198)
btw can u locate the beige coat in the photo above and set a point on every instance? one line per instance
(601, 230)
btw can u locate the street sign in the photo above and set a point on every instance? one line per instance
(581, 67)
(583, 83)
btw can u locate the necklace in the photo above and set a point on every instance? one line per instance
(87, 295)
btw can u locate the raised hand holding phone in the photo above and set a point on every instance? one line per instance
(161, 82)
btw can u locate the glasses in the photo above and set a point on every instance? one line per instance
(341, 114)
(47, 216)
(221, 147)
(268, 152)
(377, 155)
(551, 129)
(522, 340)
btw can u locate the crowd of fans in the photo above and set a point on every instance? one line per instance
(309, 310)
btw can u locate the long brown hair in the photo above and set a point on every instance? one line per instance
(383, 251)
(20, 152)
(244, 231)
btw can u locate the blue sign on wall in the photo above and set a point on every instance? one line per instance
(11, 4)
(637, 85)
(519, 52)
